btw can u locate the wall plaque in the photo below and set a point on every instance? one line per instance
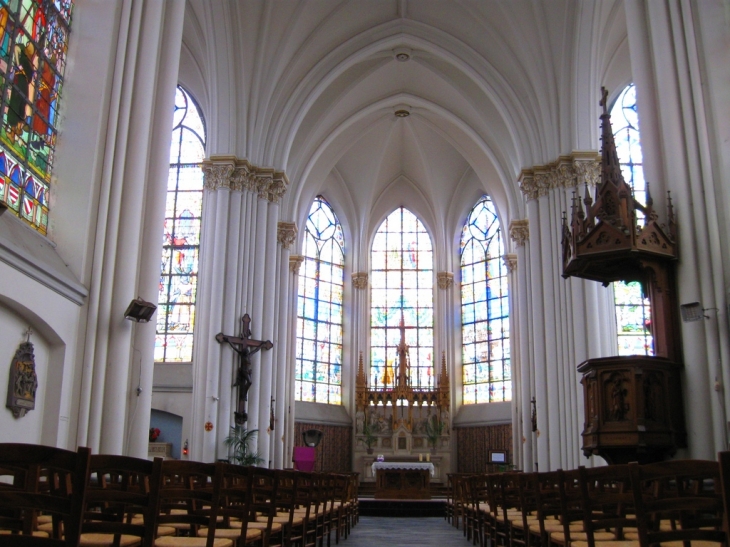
(23, 381)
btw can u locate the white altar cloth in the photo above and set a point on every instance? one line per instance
(403, 465)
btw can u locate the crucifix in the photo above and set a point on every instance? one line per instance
(245, 348)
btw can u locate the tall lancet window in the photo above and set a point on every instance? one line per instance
(633, 313)
(487, 375)
(402, 290)
(181, 234)
(33, 46)
(318, 375)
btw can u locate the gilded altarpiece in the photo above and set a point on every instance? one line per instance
(404, 423)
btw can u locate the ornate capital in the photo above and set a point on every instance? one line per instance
(217, 175)
(294, 262)
(510, 262)
(360, 280)
(286, 234)
(236, 174)
(565, 172)
(519, 231)
(445, 280)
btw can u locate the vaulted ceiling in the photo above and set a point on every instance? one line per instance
(489, 87)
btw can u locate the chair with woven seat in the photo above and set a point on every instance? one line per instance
(679, 502)
(122, 502)
(607, 504)
(236, 513)
(38, 479)
(189, 500)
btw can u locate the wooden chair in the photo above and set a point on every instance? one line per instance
(122, 502)
(679, 501)
(549, 507)
(607, 504)
(189, 500)
(264, 492)
(236, 515)
(42, 479)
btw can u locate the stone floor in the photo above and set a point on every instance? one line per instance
(404, 532)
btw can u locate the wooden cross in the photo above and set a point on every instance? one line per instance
(245, 348)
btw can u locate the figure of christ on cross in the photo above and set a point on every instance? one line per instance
(245, 348)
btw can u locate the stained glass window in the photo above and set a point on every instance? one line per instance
(401, 282)
(319, 308)
(633, 312)
(33, 45)
(181, 235)
(487, 375)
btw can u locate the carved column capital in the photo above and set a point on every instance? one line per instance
(519, 231)
(295, 261)
(240, 174)
(510, 262)
(217, 174)
(360, 280)
(286, 234)
(565, 172)
(445, 280)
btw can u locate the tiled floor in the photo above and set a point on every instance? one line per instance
(404, 532)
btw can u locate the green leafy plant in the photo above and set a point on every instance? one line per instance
(369, 435)
(434, 430)
(239, 440)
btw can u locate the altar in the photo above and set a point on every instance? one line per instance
(403, 480)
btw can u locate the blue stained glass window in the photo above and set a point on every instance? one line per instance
(33, 46)
(181, 235)
(633, 311)
(318, 376)
(484, 308)
(401, 288)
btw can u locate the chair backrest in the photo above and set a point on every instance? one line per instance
(236, 496)
(120, 487)
(45, 479)
(190, 495)
(264, 493)
(679, 500)
(607, 500)
(549, 500)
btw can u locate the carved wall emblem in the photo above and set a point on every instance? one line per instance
(23, 380)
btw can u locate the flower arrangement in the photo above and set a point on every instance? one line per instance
(154, 433)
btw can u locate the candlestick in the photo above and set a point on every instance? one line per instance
(420, 457)
(428, 456)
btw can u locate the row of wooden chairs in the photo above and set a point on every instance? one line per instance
(679, 503)
(55, 497)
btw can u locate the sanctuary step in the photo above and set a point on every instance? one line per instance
(402, 508)
(367, 490)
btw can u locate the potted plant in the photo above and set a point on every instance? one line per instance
(434, 430)
(369, 437)
(239, 440)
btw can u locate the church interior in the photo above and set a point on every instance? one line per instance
(417, 227)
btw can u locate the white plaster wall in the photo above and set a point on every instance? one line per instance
(54, 320)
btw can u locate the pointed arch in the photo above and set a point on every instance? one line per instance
(487, 374)
(318, 376)
(181, 235)
(401, 280)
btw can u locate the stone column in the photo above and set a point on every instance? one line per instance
(679, 61)
(295, 262)
(286, 236)
(519, 232)
(360, 314)
(113, 419)
(553, 316)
